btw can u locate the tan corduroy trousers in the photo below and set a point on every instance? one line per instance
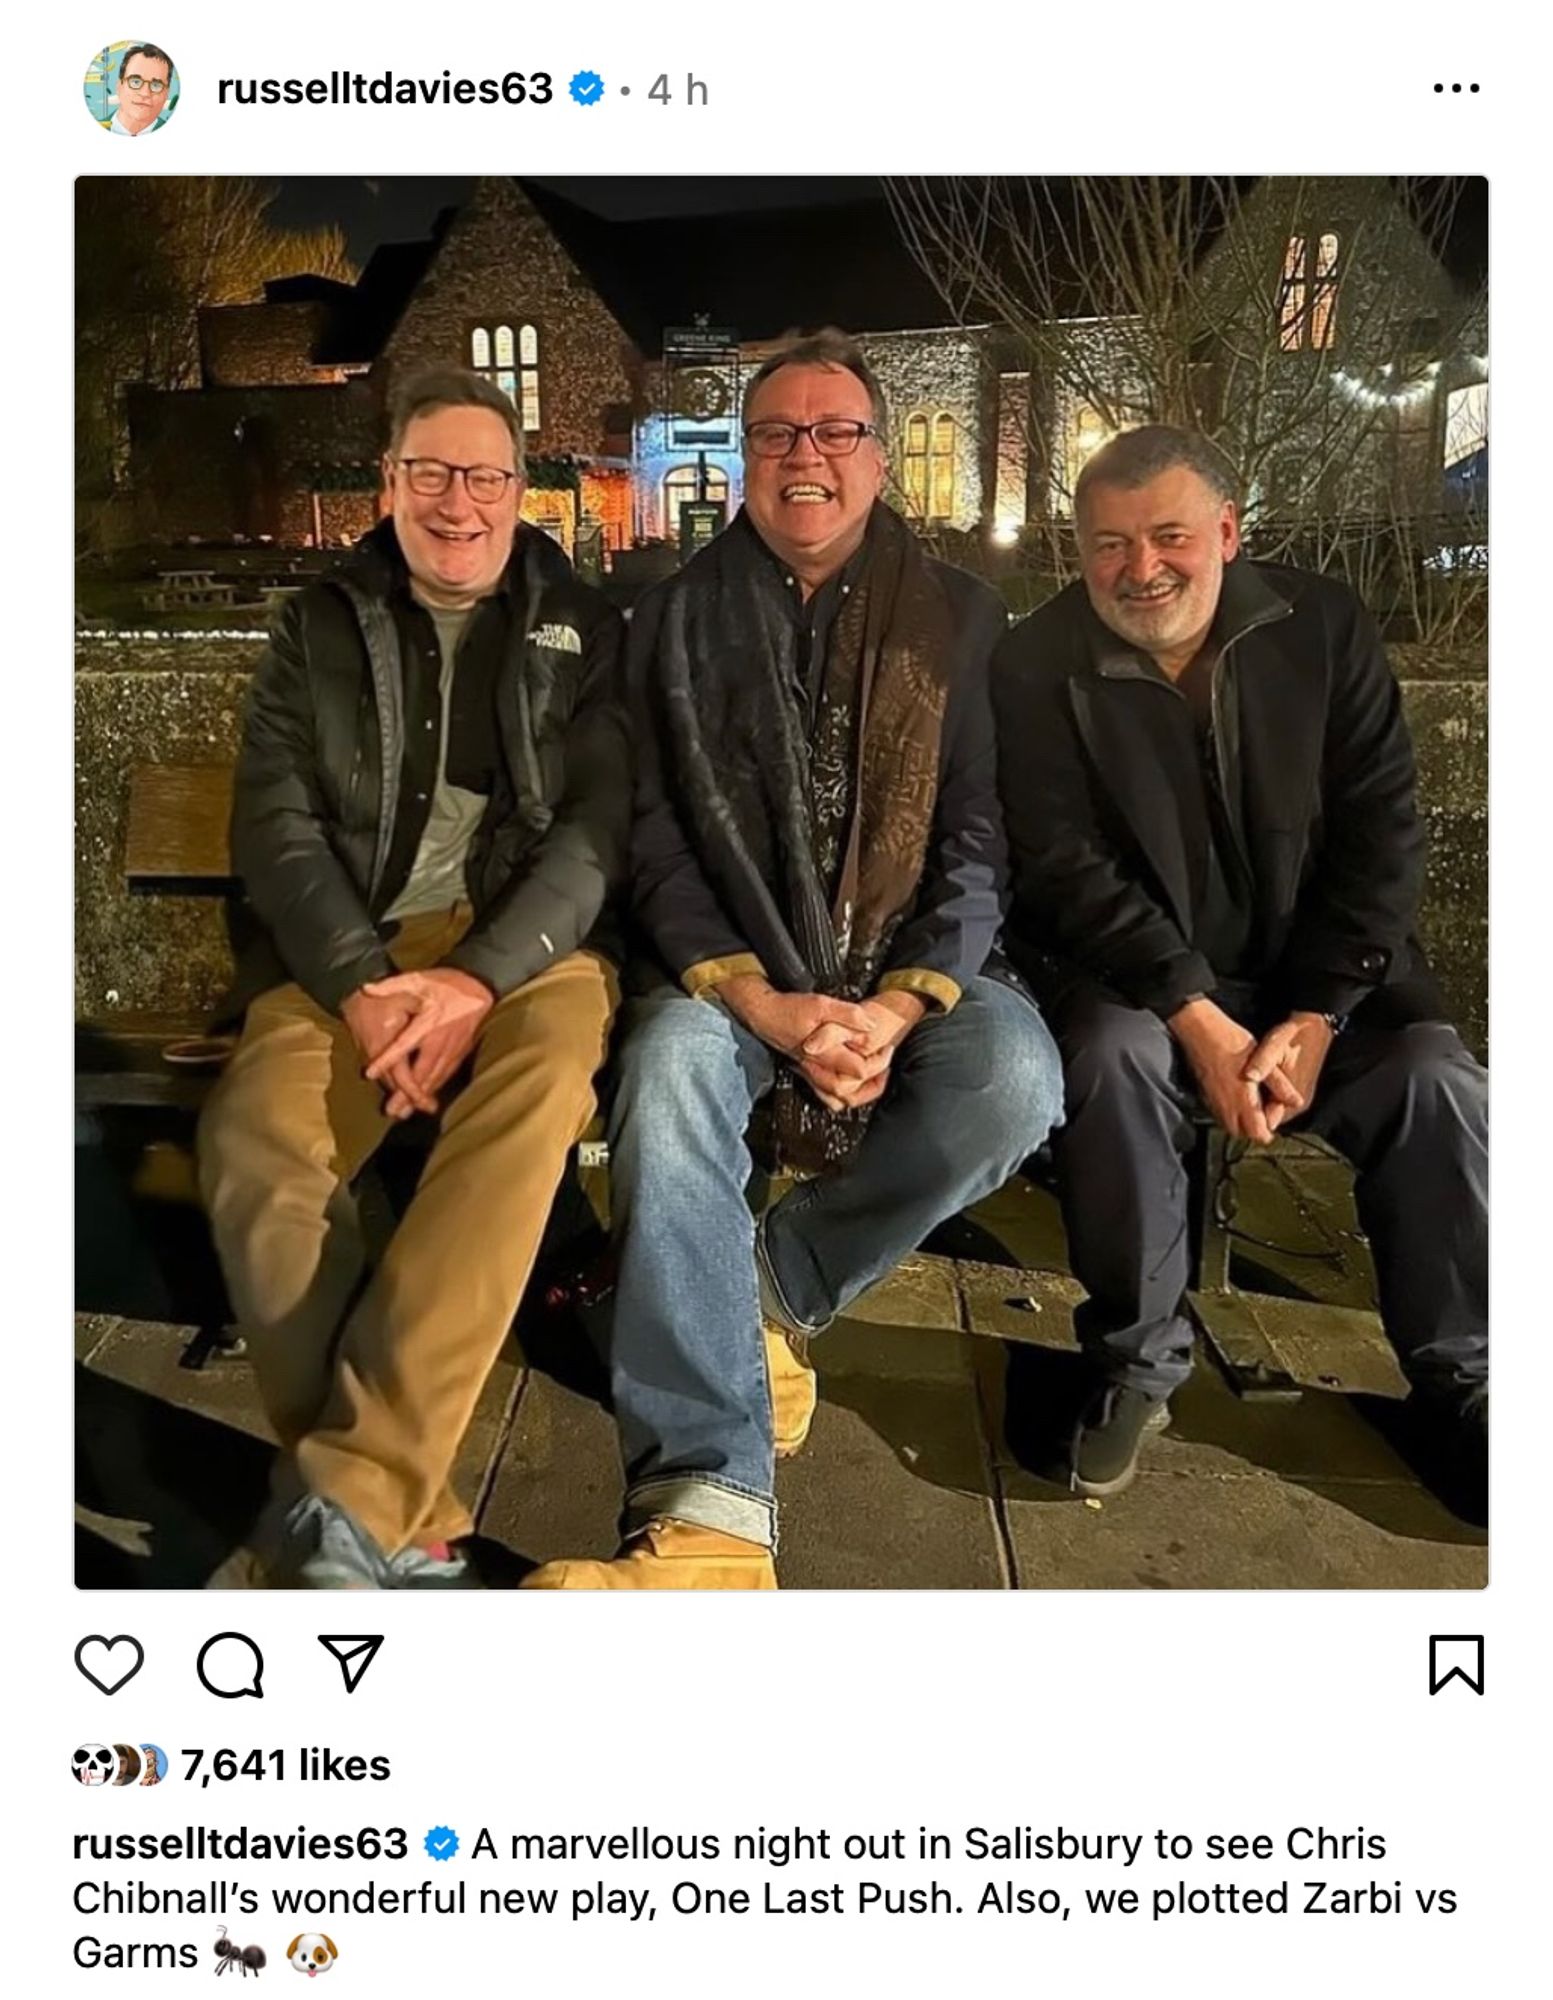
(370, 1385)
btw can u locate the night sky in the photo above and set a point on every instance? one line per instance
(399, 209)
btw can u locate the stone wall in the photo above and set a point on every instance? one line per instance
(263, 346)
(1447, 710)
(179, 701)
(164, 701)
(929, 373)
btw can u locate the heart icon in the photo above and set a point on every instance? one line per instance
(95, 1656)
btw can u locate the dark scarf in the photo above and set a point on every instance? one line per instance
(816, 844)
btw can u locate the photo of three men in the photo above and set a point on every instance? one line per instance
(819, 856)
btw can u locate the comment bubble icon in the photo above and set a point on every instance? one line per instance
(231, 1665)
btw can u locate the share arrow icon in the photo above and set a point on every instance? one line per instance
(355, 1652)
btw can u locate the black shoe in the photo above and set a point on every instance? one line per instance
(1103, 1455)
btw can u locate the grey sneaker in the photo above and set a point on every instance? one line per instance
(418, 1569)
(325, 1549)
(1104, 1448)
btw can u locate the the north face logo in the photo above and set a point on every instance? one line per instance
(559, 638)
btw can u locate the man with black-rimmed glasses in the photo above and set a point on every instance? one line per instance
(145, 94)
(432, 807)
(817, 863)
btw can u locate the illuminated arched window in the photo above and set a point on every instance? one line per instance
(941, 480)
(681, 484)
(1323, 294)
(914, 466)
(1307, 293)
(927, 466)
(509, 357)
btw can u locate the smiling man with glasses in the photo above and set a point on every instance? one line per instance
(432, 806)
(145, 92)
(817, 864)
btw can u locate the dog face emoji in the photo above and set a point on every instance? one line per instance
(94, 1764)
(312, 1953)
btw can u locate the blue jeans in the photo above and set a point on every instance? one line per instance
(973, 1093)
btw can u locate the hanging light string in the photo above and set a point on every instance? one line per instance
(1396, 394)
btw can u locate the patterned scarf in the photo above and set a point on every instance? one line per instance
(816, 843)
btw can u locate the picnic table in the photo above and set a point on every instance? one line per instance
(182, 589)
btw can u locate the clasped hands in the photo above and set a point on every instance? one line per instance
(841, 1048)
(1252, 1086)
(414, 1030)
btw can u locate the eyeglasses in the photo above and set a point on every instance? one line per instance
(431, 478)
(834, 437)
(155, 84)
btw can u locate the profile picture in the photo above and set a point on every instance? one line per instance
(131, 88)
(153, 1764)
(93, 1764)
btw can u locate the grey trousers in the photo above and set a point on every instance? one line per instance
(1407, 1106)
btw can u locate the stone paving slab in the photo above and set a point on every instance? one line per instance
(1170, 1532)
(556, 1489)
(894, 1491)
(894, 1351)
(1236, 1495)
(91, 1330)
(919, 1292)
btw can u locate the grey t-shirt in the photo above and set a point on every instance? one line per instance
(437, 874)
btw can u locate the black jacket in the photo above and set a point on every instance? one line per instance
(700, 933)
(1106, 860)
(320, 792)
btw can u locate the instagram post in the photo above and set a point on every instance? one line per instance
(1062, 1165)
(772, 825)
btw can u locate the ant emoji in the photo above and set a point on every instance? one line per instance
(250, 1957)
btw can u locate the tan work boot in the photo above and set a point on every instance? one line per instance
(667, 1555)
(794, 1392)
